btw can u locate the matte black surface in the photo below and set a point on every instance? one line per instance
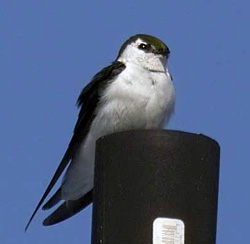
(143, 175)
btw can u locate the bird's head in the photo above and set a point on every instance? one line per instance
(146, 51)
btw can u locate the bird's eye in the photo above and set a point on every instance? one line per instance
(144, 46)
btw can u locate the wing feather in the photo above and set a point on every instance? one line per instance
(87, 101)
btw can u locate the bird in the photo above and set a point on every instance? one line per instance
(135, 91)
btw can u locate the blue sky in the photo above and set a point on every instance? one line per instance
(51, 49)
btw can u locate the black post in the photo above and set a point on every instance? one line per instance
(141, 176)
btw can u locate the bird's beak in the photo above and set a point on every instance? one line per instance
(164, 52)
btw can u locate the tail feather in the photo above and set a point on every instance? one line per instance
(56, 198)
(65, 161)
(68, 209)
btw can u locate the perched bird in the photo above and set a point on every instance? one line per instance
(134, 92)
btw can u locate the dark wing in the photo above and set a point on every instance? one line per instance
(88, 101)
(56, 198)
(68, 209)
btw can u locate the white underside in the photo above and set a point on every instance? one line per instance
(136, 99)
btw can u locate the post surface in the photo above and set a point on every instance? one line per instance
(146, 174)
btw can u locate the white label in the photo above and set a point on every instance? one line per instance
(168, 231)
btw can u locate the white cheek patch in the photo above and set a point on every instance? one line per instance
(146, 60)
(130, 53)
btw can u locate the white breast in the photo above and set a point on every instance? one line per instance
(136, 99)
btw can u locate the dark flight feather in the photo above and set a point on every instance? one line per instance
(88, 101)
(68, 209)
(56, 198)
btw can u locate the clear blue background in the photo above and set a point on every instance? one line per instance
(49, 50)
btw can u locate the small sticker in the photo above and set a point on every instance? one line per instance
(168, 231)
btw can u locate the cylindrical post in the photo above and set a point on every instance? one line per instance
(146, 177)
